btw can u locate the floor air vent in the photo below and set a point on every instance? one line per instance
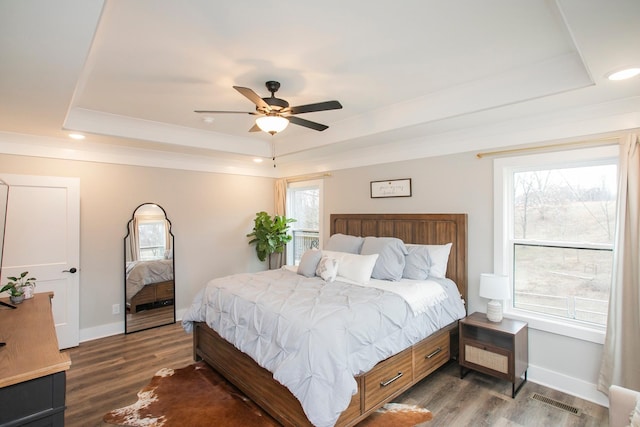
(556, 403)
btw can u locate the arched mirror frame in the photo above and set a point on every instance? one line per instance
(4, 206)
(157, 295)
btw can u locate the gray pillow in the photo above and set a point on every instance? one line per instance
(309, 262)
(391, 253)
(344, 243)
(416, 266)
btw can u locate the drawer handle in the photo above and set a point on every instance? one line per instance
(386, 383)
(437, 350)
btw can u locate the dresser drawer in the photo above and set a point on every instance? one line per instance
(387, 377)
(430, 355)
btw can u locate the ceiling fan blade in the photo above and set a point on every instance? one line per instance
(255, 128)
(224, 112)
(320, 106)
(307, 123)
(253, 97)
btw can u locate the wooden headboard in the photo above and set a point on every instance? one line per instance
(424, 229)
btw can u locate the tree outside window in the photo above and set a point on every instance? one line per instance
(563, 224)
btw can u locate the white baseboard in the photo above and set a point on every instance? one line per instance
(573, 386)
(103, 331)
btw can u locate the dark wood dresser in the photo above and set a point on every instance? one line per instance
(32, 369)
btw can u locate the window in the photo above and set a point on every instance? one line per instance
(303, 204)
(555, 227)
(152, 237)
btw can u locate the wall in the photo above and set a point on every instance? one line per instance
(210, 215)
(462, 183)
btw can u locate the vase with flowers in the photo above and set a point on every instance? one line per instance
(19, 287)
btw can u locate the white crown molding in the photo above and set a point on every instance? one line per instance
(39, 146)
(435, 140)
(84, 120)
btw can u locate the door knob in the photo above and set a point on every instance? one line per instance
(71, 270)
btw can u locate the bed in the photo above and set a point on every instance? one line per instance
(393, 374)
(149, 284)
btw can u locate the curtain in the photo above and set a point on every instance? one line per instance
(622, 342)
(280, 197)
(134, 240)
(168, 248)
(280, 205)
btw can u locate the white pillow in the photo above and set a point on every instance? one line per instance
(438, 258)
(354, 267)
(327, 269)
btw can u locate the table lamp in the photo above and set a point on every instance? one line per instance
(495, 288)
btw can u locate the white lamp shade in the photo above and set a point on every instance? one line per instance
(493, 286)
(272, 124)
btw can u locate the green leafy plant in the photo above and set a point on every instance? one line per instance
(270, 234)
(16, 285)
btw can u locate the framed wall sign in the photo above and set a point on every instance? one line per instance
(391, 188)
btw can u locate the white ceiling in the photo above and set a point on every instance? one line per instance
(415, 78)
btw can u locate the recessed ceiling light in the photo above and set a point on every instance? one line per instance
(76, 136)
(207, 119)
(257, 160)
(627, 73)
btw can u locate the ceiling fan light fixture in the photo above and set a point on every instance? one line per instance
(272, 124)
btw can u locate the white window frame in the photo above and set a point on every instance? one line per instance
(503, 169)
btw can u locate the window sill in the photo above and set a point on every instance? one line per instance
(582, 332)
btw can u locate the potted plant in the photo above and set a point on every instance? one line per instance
(17, 287)
(270, 235)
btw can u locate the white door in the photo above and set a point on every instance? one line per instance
(42, 236)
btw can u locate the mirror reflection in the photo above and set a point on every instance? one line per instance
(149, 269)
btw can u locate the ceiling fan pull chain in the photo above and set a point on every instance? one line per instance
(273, 153)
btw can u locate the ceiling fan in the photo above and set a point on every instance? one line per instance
(275, 113)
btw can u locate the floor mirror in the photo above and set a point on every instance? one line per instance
(149, 269)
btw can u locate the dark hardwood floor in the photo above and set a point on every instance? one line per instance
(107, 373)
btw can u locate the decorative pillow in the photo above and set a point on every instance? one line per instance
(634, 419)
(391, 252)
(354, 267)
(344, 243)
(327, 268)
(309, 262)
(416, 263)
(438, 259)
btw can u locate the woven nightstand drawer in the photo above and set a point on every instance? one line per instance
(488, 359)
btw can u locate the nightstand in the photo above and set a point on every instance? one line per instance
(499, 349)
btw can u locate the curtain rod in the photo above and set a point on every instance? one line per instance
(601, 141)
(307, 177)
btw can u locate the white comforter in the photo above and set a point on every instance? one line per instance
(315, 336)
(142, 273)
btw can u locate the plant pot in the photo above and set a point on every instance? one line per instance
(28, 291)
(16, 299)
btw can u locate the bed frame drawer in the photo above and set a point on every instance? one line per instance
(388, 378)
(164, 291)
(146, 294)
(430, 355)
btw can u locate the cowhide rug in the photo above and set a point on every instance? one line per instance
(197, 395)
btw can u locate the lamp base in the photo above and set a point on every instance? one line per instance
(494, 311)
